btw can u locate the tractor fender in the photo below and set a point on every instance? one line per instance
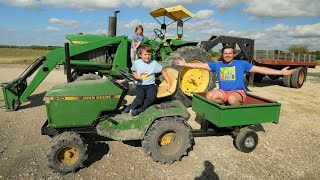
(173, 108)
(126, 127)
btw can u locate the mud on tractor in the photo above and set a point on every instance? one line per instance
(94, 56)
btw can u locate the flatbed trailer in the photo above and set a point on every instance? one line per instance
(279, 59)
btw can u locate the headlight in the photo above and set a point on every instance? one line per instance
(47, 100)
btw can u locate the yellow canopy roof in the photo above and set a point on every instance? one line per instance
(175, 13)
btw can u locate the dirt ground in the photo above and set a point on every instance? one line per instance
(288, 150)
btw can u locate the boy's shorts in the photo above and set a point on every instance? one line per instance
(227, 93)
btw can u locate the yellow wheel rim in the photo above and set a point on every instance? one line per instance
(68, 156)
(167, 138)
(194, 80)
(301, 78)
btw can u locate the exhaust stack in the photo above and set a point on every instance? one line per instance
(112, 31)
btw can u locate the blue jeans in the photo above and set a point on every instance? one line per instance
(145, 97)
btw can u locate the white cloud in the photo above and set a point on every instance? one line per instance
(311, 43)
(22, 3)
(283, 8)
(49, 28)
(64, 22)
(212, 31)
(248, 34)
(223, 4)
(305, 31)
(167, 3)
(85, 5)
(278, 28)
(300, 31)
(204, 14)
(273, 8)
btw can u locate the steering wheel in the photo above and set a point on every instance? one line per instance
(158, 33)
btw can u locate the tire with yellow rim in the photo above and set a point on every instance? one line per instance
(191, 80)
(168, 140)
(67, 153)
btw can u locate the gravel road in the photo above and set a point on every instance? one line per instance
(288, 150)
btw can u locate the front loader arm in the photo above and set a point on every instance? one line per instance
(17, 91)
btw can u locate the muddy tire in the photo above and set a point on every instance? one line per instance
(191, 80)
(286, 80)
(87, 77)
(298, 78)
(246, 140)
(67, 153)
(168, 140)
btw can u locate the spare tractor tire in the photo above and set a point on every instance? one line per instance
(191, 80)
(86, 77)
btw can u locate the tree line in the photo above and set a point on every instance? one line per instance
(292, 49)
(35, 47)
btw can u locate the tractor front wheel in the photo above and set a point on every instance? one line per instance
(67, 153)
(168, 139)
(190, 79)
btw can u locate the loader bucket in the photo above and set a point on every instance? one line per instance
(12, 92)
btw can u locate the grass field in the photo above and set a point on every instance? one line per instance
(20, 56)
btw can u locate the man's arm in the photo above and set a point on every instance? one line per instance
(269, 71)
(182, 62)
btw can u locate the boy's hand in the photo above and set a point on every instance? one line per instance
(180, 61)
(285, 71)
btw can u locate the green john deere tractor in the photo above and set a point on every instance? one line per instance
(94, 56)
(78, 112)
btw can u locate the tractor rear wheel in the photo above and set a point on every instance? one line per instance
(67, 153)
(168, 139)
(190, 79)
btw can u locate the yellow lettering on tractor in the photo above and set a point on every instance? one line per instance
(79, 42)
(71, 98)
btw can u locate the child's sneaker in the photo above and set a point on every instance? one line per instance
(134, 113)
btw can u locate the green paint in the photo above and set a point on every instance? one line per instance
(226, 116)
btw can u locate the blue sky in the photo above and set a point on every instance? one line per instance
(274, 24)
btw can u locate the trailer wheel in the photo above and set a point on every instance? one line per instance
(246, 140)
(286, 80)
(167, 140)
(67, 153)
(298, 78)
(190, 79)
(86, 77)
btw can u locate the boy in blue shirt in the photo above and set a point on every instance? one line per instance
(230, 75)
(144, 71)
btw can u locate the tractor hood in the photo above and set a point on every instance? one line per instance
(103, 87)
(80, 104)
